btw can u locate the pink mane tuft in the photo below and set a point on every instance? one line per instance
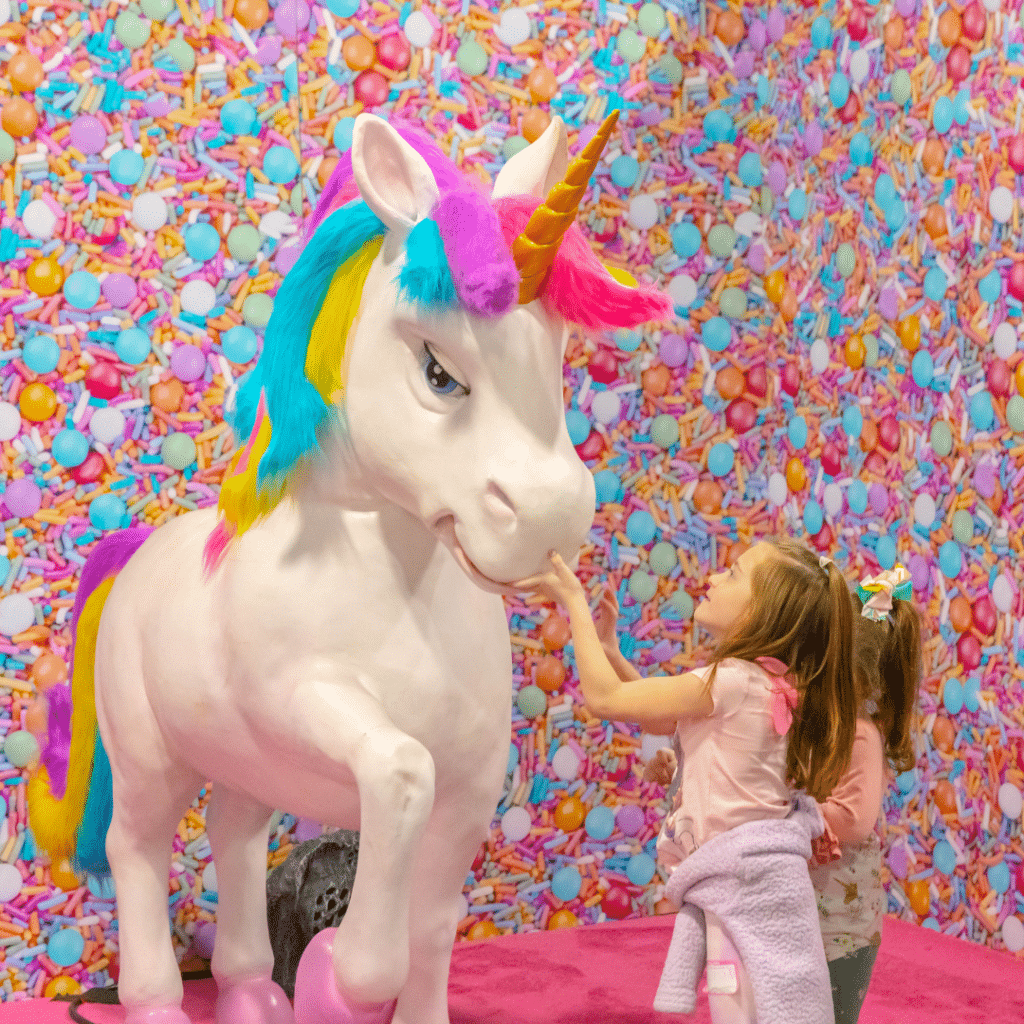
(216, 546)
(578, 287)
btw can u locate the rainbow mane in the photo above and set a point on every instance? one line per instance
(458, 258)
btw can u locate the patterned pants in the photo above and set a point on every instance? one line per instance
(851, 976)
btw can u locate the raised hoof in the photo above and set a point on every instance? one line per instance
(256, 1001)
(317, 999)
(158, 1015)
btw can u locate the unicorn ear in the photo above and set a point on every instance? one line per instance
(535, 170)
(393, 179)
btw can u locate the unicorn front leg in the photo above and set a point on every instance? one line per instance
(394, 774)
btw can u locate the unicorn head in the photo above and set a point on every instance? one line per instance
(416, 348)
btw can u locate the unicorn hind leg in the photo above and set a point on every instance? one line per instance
(243, 959)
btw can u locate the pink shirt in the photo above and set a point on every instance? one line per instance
(733, 764)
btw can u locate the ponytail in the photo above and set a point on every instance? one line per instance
(899, 675)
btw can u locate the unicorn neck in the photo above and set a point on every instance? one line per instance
(338, 480)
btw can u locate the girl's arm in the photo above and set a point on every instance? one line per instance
(852, 810)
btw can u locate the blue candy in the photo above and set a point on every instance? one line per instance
(70, 448)
(721, 459)
(280, 165)
(885, 191)
(953, 696)
(238, 117)
(885, 552)
(982, 414)
(861, 153)
(821, 32)
(797, 432)
(640, 869)
(82, 290)
(942, 115)
(950, 559)
(839, 89)
(202, 242)
(990, 287)
(750, 170)
(600, 822)
(922, 368)
(999, 877)
(857, 497)
(853, 421)
(719, 127)
(716, 333)
(108, 512)
(566, 883)
(578, 425)
(41, 354)
(132, 346)
(126, 167)
(935, 284)
(895, 214)
(962, 107)
(686, 240)
(608, 486)
(641, 528)
(65, 946)
(797, 204)
(343, 134)
(813, 518)
(944, 857)
(239, 344)
(625, 171)
(627, 340)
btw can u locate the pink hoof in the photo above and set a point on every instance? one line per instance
(317, 999)
(256, 1001)
(158, 1015)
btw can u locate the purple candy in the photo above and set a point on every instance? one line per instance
(755, 258)
(188, 363)
(158, 106)
(743, 65)
(268, 50)
(119, 290)
(757, 34)
(777, 177)
(286, 258)
(776, 24)
(879, 498)
(290, 16)
(919, 573)
(985, 479)
(672, 350)
(813, 139)
(898, 863)
(306, 830)
(906, 7)
(630, 819)
(651, 115)
(23, 498)
(87, 135)
(888, 303)
(203, 940)
(587, 132)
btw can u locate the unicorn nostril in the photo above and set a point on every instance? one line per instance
(498, 503)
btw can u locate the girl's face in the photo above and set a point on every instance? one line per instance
(729, 592)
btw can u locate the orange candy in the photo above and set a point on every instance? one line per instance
(252, 14)
(167, 395)
(796, 475)
(893, 32)
(935, 221)
(707, 497)
(37, 402)
(484, 930)
(656, 379)
(555, 632)
(19, 118)
(730, 382)
(949, 27)
(569, 814)
(542, 83)
(63, 875)
(960, 613)
(534, 123)
(550, 673)
(918, 896)
(62, 985)
(943, 734)
(854, 351)
(945, 797)
(326, 169)
(729, 27)
(933, 157)
(868, 436)
(910, 332)
(1018, 377)
(48, 670)
(562, 919)
(25, 71)
(359, 53)
(775, 286)
(45, 276)
(789, 306)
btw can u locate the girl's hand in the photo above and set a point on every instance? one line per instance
(606, 619)
(661, 768)
(559, 583)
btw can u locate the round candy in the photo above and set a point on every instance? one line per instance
(119, 290)
(718, 126)
(358, 52)
(630, 46)
(20, 747)
(37, 402)
(65, 947)
(641, 528)
(1000, 204)
(750, 170)
(280, 165)
(158, 10)
(721, 240)
(716, 334)
(982, 413)
(1004, 340)
(941, 438)
(663, 558)
(238, 344)
(821, 32)
(71, 447)
(606, 407)
(1015, 414)
(686, 240)
(640, 868)
(149, 212)
(202, 242)
(11, 882)
(922, 368)
(600, 823)
(41, 354)
(19, 118)
(944, 858)
(25, 71)
(244, 243)
(839, 89)
(471, 57)
(23, 497)
(668, 69)
(239, 118)
(665, 430)
(10, 421)
(797, 204)
(846, 259)
(1002, 593)
(516, 824)
(565, 764)
(132, 346)
(924, 510)
(625, 170)
(963, 526)
(178, 451)
(184, 56)
(721, 459)
(935, 284)
(643, 212)
(513, 29)
(532, 701)
(566, 883)
(17, 614)
(860, 150)
(8, 150)
(1010, 801)
(256, 309)
(1012, 928)
(900, 87)
(393, 52)
(857, 497)
(942, 115)
(107, 512)
(733, 303)
(813, 518)
(198, 297)
(107, 425)
(950, 559)
(642, 586)
(860, 66)
(132, 32)
(39, 219)
(820, 355)
(126, 166)
(569, 814)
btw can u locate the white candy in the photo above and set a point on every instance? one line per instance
(1002, 593)
(198, 297)
(860, 66)
(516, 824)
(39, 220)
(778, 490)
(10, 421)
(747, 224)
(833, 499)
(924, 510)
(1010, 800)
(991, 5)
(1013, 929)
(650, 745)
(210, 877)
(10, 877)
(565, 764)
(149, 212)
(819, 356)
(1000, 204)
(276, 224)
(16, 614)
(107, 425)
(1004, 340)
(514, 27)
(418, 29)
(5, 11)
(682, 289)
(606, 407)
(643, 212)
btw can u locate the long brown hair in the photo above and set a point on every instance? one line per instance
(888, 665)
(802, 615)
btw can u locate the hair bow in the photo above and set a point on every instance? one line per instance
(784, 695)
(877, 592)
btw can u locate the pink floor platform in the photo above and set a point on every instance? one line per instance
(607, 974)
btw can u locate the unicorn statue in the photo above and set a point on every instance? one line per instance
(331, 640)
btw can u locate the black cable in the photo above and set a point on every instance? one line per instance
(108, 996)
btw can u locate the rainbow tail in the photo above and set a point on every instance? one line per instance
(70, 797)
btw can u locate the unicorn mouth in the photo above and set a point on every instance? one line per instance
(444, 530)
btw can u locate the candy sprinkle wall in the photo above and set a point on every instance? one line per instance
(832, 196)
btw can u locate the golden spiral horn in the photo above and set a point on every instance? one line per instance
(535, 249)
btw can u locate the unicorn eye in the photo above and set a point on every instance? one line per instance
(440, 380)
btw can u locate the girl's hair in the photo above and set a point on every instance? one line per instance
(802, 614)
(888, 667)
